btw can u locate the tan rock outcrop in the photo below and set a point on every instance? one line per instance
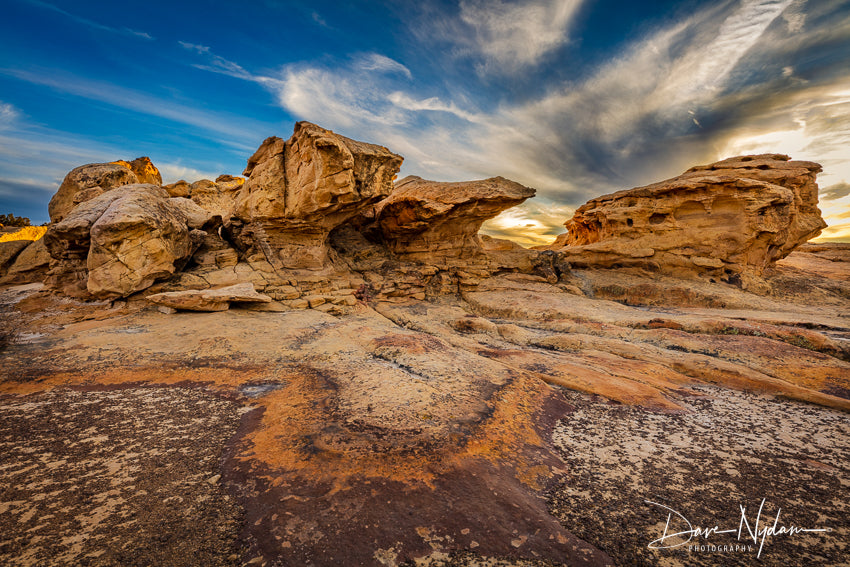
(730, 218)
(145, 170)
(299, 190)
(30, 265)
(9, 252)
(210, 299)
(89, 181)
(179, 188)
(118, 243)
(422, 219)
(219, 196)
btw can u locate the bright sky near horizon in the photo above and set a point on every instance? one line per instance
(576, 98)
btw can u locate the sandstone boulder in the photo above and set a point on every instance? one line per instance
(299, 190)
(118, 243)
(424, 218)
(731, 219)
(196, 216)
(217, 197)
(9, 252)
(178, 189)
(210, 299)
(145, 170)
(30, 265)
(88, 181)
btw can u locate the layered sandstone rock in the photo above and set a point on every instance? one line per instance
(424, 219)
(219, 196)
(119, 243)
(299, 190)
(9, 252)
(30, 265)
(210, 299)
(730, 218)
(89, 181)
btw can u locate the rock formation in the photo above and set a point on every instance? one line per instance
(30, 265)
(426, 220)
(299, 190)
(320, 208)
(9, 252)
(88, 181)
(219, 196)
(730, 218)
(119, 243)
(218, 299)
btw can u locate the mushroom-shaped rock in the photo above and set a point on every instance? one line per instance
(424, 217)
(89, 181)
(118, 243)
(736, 216)
(299, 190)
(218, 299)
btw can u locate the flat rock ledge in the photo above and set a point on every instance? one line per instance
(209, 299)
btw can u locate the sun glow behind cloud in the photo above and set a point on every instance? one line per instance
(821, 133)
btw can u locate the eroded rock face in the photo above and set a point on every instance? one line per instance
(424, 218)
(89, 181)
(9, 251)
(733, 217)
(299, 190)
(118, 243)
(145, 170)
(30, 265)
(210, 299)
(219, 196)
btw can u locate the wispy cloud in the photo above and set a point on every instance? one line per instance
(217, 64)
(90, 23)
(353, 94)
(511, 35)
(382, 64)
(316, 17)
(836, 191)
(175, 171)
(235, 132)
(8, 114)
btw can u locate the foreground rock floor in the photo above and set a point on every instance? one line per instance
(523, 423)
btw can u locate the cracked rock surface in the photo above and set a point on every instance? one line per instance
(119, 476)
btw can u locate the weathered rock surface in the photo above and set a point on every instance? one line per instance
(9, 251)
(31, 265)
(831, 260)
(118, 243)
(442, 428)
(217, 197)
(734, 217)
(218, 299)
(144, 169)
(89, 181)
(179, 189)
(299, 190)
(424, 219)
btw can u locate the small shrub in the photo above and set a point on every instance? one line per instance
(12, 220)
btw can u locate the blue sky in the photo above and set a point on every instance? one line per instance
(575, 98)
